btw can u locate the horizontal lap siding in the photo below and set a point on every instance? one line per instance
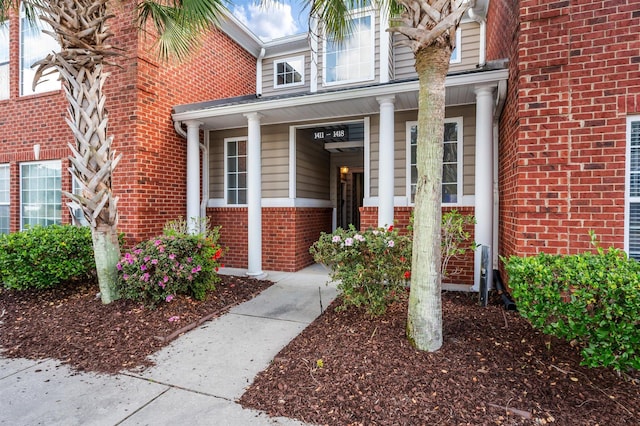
(312, 167)
(405, 61)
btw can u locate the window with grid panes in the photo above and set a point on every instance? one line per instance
(4, 198)
(40, 193)
(633, 199)
(236, 171)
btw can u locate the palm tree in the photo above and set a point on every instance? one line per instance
(429, 27)
(81, 29)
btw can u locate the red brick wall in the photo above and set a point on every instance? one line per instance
(287, 234)
(151, 178)
(462, 265)
(562, 151)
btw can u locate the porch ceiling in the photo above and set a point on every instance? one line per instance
(227, 114)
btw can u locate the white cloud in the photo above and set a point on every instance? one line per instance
(268, 22)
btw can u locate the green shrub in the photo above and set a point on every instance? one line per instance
(592, 299)
(43, 257)
(174, 263)
(372, 266)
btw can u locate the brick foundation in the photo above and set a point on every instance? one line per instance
(287, 234)
(463, 265)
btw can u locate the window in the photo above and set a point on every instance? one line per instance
(77, 217)
(236, 171)
(34, 46)
(455, 55)
(451, 162)
(4, 198)
(4, 60)
(351, 59)
(633, 185)
(40, 193)
(289, 72)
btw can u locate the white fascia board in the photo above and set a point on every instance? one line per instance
(239, 33)
(482, 78)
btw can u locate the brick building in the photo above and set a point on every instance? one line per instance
(277, 141)
(570, 128)
(150, 180)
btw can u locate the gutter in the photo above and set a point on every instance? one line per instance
(259, 72)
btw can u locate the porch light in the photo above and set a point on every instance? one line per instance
(344, 170)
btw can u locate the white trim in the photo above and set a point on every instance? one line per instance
(385, 42)
(7, 166)
(482, 51)
(628, 199)
(400, 201)
(488, 77)
(288, 60)
(367, 157)
(372, 70)
(275, 203)
(293, 144)
(226, 178)
(459, 160)
(458, 58)
(313, 44)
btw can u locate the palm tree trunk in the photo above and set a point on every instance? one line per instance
(424, 321)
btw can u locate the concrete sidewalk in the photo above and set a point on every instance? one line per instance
(196, 379)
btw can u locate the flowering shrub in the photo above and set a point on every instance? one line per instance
(176, 262)
(372, 266)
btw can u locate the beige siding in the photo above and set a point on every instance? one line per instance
(400, 160)
(275, 161)
(312, 169)
(268, 76)
(404, 60)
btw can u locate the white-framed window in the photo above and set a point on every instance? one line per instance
(288, 72)
(632, 205)
(456, 57)
(34, 46)
(4, 60)
(451, 162)
(5, 192)
(40, 193)
(235, 173)
(76, 214)
(351, 59)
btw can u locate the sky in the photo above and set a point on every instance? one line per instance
(274, 19)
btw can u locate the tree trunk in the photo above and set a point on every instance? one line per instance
(106, 250)
(424, 321)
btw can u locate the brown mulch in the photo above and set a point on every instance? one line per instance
(345, 368)
(70, 323)
(493, 369)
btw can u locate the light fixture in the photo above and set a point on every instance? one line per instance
(344, 170)
(36, 151)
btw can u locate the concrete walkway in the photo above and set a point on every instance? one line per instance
(196, 379)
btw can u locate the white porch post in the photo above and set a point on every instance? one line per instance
(484, 181)
(386, 162)
(193, 175)
(254, 195)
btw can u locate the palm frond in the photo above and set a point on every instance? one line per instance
(178, 26)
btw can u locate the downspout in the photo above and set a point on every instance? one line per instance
(259, 72)
(482, 20)
(497, 111)
(177, 125)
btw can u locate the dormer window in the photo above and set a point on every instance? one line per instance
(289, 72)
(351, 59)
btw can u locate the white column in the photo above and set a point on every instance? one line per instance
(484, 180)
(386, 162)
(193, 175)
(254, 195)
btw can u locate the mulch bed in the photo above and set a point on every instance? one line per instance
(493, 369)
(69, 323)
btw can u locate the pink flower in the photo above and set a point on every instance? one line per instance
(358, 237)
(174, 319)
(169, 298)
(336, 239)
(390, 243)
(348, 242)
(157, 242)
(172, 256)
(154, 261)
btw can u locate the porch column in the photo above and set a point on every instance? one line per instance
(254, 195)
(193, 175)
(386, 162)
(484, 181)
